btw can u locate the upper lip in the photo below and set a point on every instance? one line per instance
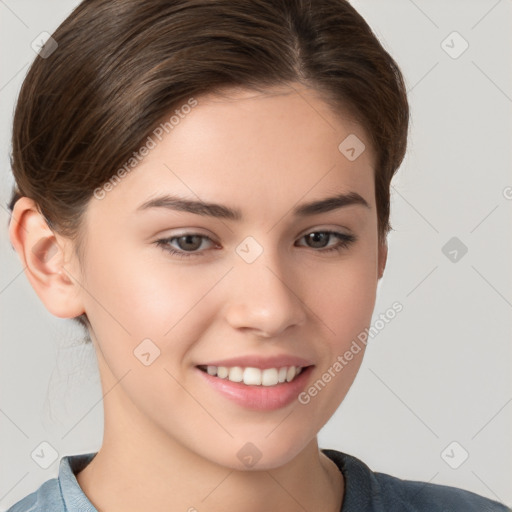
(260, 362)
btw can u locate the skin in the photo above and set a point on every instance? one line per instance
(170, 440)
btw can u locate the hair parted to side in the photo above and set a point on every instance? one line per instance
(122, 65)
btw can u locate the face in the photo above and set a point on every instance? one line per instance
(267, 290)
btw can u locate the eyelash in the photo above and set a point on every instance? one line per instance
(344, 242)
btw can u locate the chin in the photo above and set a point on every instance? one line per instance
(260, 453)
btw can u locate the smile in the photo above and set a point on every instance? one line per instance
(254, 376)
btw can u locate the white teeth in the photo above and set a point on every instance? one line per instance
(254, 376)
(222, 372)
(290, 374)
(269, 377)
(236, 374)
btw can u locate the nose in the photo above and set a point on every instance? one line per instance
(263, 297)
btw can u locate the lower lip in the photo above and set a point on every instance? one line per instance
(261, 398)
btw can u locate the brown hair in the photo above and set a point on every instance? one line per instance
(120, 65)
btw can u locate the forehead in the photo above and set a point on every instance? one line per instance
(241, 147)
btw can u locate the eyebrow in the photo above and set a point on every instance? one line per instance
(224, 212)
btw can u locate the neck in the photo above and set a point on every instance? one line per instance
(141, 467)
(140, 470)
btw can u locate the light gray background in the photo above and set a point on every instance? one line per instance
(439, 372)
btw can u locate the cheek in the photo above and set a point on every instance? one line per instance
(131, 297)
(138, 294)
(343, 295)
(343, 300)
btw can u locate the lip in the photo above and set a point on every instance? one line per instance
(260, 362)
(260, 398)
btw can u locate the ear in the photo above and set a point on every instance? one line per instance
(383, 256)
(47, 258)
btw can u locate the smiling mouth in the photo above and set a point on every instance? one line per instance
(254, 376)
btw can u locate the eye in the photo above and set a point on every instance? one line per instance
(344, 240)
(189, 243)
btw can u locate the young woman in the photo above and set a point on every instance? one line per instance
(204, 186)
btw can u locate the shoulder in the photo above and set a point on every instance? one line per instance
(366, 490)
(47, 497)
(423, 496)
(61, 494)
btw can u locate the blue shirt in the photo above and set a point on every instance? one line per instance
(365, 491)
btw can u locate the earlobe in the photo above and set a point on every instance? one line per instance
(383, 256)
(44, 258)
